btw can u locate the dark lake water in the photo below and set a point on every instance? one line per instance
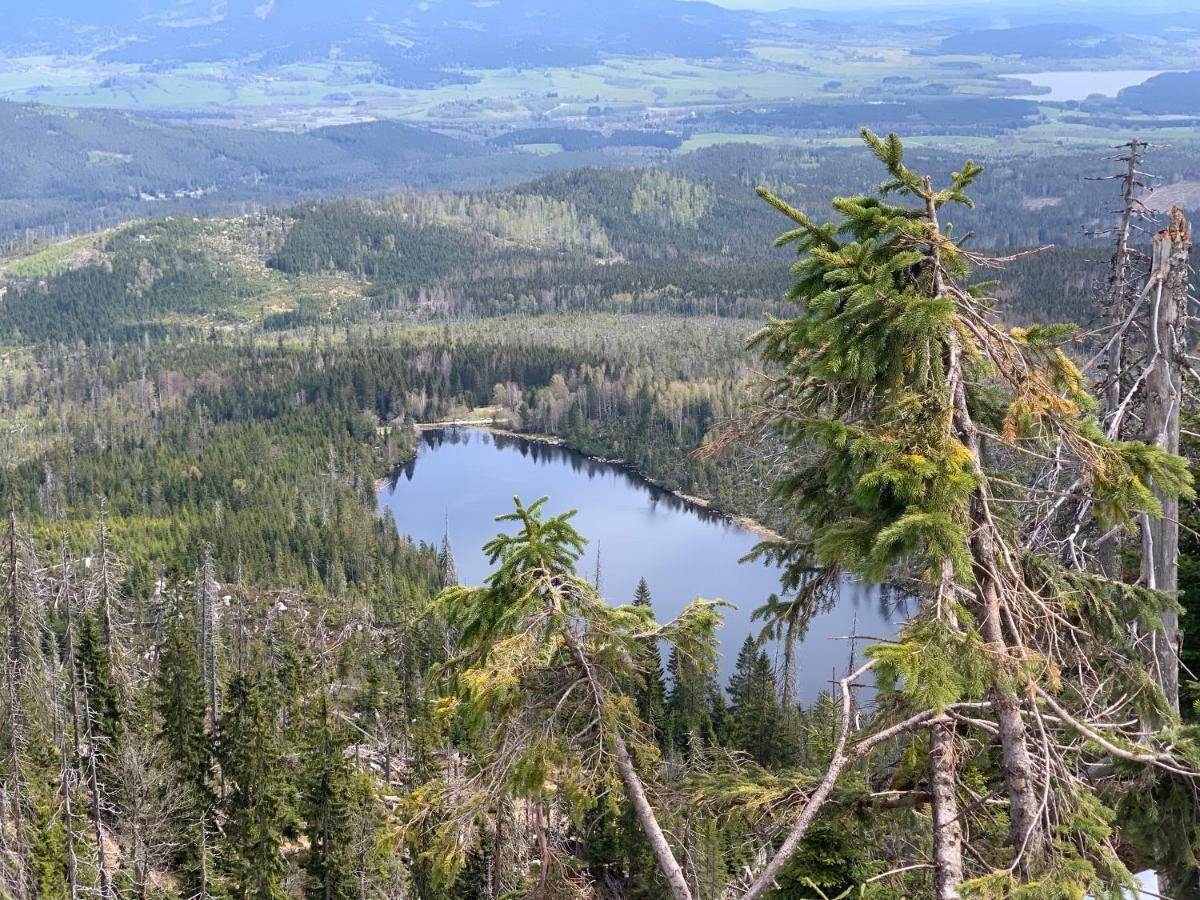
(466, 477)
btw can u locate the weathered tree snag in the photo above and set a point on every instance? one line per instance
(17, 666)
(102, 861)
(1117, 289)
(1118, 299)
(207, 599)
(947, 826)
(106, 587)
(1160, 427)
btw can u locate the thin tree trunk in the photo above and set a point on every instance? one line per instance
(326, 849)
(1164, 392)
(94, 783)
(141, 873)
(1116, 303)
(1025, 832)
(66, 768)
(649, 822)
(789, 667)
(16, 671)
(106, 575)
(1025, 828)
(636, 791)
(69, 604)
(5, 850)
(203, 895)
(498, 855)
(208, 600)
(1118, 278)
(947, 827)
(69, 821)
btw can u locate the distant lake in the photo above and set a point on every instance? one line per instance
(1066, 86)
(466, 477)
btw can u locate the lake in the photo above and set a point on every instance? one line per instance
(1066, 86)
(463, 478)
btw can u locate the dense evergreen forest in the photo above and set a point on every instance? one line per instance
(71, 171)
(685, 239)
(63, 171)
(227, 676)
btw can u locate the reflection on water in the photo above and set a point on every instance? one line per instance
(463, 478)
(546, 454)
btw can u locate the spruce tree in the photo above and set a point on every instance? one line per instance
(179, 700)
(256, 805)
(179, 693)
(756, 720)
(742, 668)
(446, 567)
(689, 706)
(914, 419)
(641, 594)
(538, 688)
(326, 782)
(651, 690)
(47, 830)
(95, 678)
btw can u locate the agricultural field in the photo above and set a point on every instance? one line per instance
(775, 62)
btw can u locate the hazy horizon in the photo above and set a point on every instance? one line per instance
(1064, 6)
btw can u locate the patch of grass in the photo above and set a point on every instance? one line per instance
(107, 158)
(540, 149)
(45, 262)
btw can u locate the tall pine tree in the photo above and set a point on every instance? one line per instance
(651, 690)
(256, 805)
(756, 724)
(327, 780)
(914, 420)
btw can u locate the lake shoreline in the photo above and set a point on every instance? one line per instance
(744, 522)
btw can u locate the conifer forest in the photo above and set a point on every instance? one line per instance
(902, 300)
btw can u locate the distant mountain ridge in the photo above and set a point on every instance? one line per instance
(66, 170)
(437, 33)
(1042, 41)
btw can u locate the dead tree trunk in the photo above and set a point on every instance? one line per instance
(1118, 287)
(65, 694)
(68, 601)
(68, 784)
(497, 884)
(947, 826)
(207, 615)
(106, 891)
(67, 774)
(203, 893)
(16, 675)
(1144, 361)
(106, 587)
(1119, 297)
(1169, 280)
